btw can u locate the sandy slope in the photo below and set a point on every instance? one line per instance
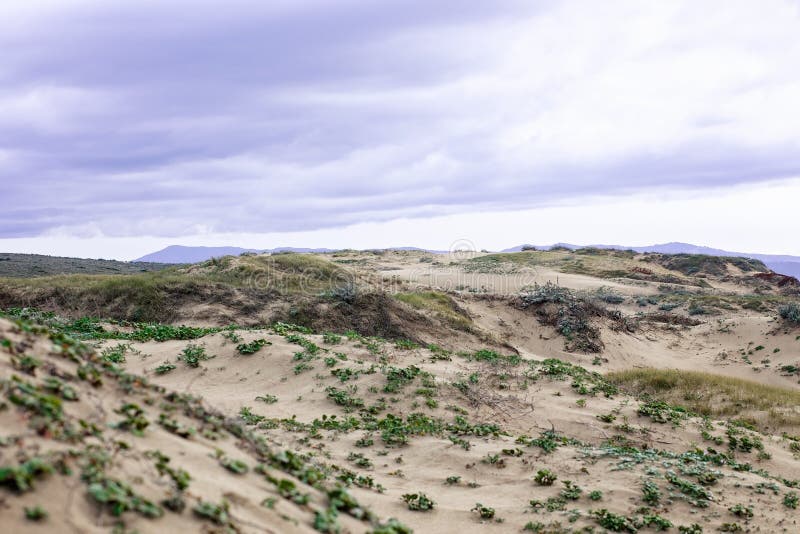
(386, 419)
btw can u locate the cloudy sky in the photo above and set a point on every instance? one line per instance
(126, 126)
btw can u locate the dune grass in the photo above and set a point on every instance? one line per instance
(768, 408)
(155, 296)
(440, 304)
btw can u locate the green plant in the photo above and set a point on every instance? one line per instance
(405, 344)
(343, 398)
(614, 522)
(35, 513)
(26, 364)
(418, 502)
(484, 512)
(571, 491)
(164, 368)
(731, 527)
(741, 510)
(656, 521)
(331, 338)
(650, 493)
(596, 495)
(179, 477)
(57, 387)
(661, 412)
(302, 367)
(791, 500)
(268, 399)
(536, 528)
(171, 425)
(790, 312)
(545, 477)
(21, 477)
(452, 480)
(252, 347)
(365, 441)
(234, 466)
(232, 336)
(192, 355)
(118, 498)
(359, 459)
(693, 491)
(135, 422)
(116, 354)
(217, 513)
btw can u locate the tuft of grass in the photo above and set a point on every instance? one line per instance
(767, 408)
(440, 304)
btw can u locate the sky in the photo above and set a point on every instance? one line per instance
(127, 126)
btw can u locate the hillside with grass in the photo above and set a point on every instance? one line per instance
(404, 391)
(30, 265)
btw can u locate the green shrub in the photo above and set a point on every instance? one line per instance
(36, 513)
(790, 313)
(614, 522)
(192, 355)
(418, 502)
(545, 477)
(164, 368)
(119, 498)
(252, 347)
(483, 511)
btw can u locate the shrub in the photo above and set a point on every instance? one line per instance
(21, 477)
(217, 513)
(571, 491)
(790, 313)
(164, 368)
(252, 347)
(192, 355)
(650, 493)
(36, 513)
(418, 502)
(614, 522)
(118, 497)
(483, 511)
(545, 477)
(741, 510)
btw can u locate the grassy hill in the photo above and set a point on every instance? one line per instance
(30, 265)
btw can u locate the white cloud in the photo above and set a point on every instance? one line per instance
(742, 219)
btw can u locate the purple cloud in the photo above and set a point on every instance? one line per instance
(165, 118)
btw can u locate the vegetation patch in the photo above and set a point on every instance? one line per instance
(767, 407)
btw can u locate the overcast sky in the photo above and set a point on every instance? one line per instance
(129, 125)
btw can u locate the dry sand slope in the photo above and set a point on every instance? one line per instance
(480, 435)
(557, 409)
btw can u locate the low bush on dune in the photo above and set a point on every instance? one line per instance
(790, 313)
(572, 314)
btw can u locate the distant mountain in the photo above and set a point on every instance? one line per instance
(783, 264)
(182, 254)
